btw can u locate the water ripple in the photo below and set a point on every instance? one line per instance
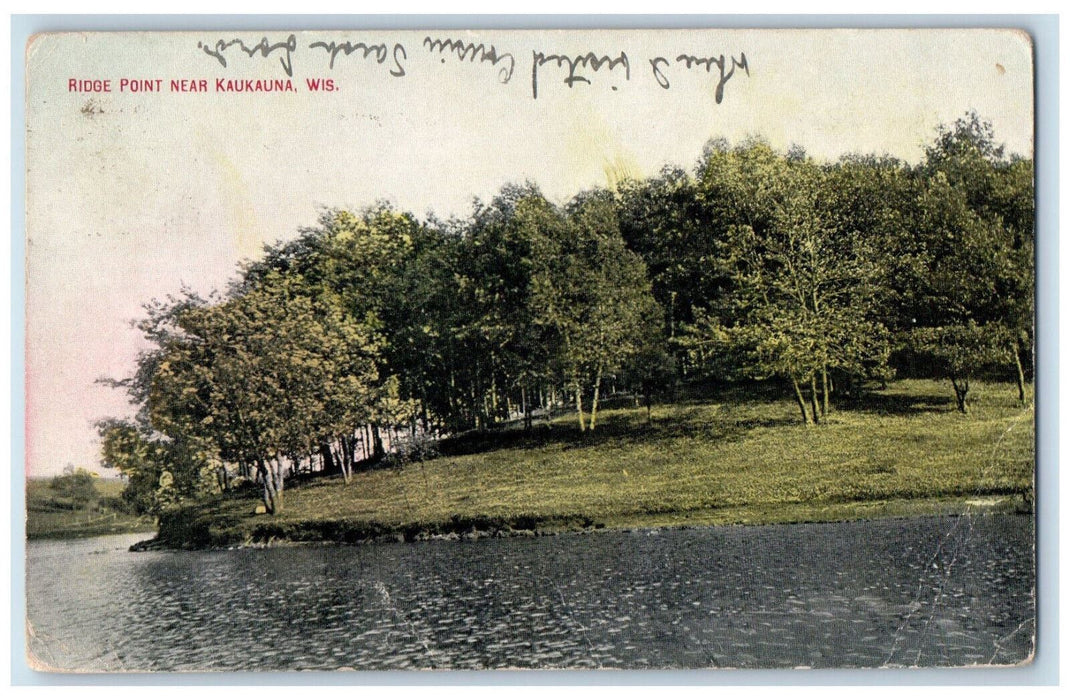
(913, 592)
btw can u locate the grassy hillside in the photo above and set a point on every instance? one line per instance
(732, 458)
(51, 514)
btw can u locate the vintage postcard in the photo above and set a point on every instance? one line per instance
(570, 349)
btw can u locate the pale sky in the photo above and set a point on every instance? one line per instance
(132, 195)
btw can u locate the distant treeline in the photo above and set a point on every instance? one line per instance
(374, 332)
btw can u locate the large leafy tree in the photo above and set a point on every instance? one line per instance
(598, 300)
(158, 470)
(973, 281)
(508, 255)
(364, 263)
(270, 374)
(805, 281)
(127, 449)
(678, 232)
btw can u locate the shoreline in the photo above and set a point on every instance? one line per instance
(270, 535)
(84, 535)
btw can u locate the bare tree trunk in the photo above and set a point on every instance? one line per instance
(348, 449)
(339, 457)
(280, 478)
(813, 399)
(1021, 374)
(799, 398)
(377, 442)
(594, 403)
(824, 391)
(962, 388)
(579, 406)
(330, 466)
(526, 407)
(268, 482)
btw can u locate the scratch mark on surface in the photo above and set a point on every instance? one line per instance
(916, 603)
(999, 642)
(571, 618)
(403, 619)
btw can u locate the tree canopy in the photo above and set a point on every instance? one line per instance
(375, 330)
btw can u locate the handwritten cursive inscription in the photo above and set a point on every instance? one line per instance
(726, 67)
(573, 69)
(589, 59)
(264, 47)
(381, 52)
(472, 51)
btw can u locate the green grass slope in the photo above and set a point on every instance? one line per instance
(732, 458)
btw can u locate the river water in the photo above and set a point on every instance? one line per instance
(910, 592)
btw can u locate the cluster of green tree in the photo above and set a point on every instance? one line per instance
(831, 274)
(375, 330)
(75, 487)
